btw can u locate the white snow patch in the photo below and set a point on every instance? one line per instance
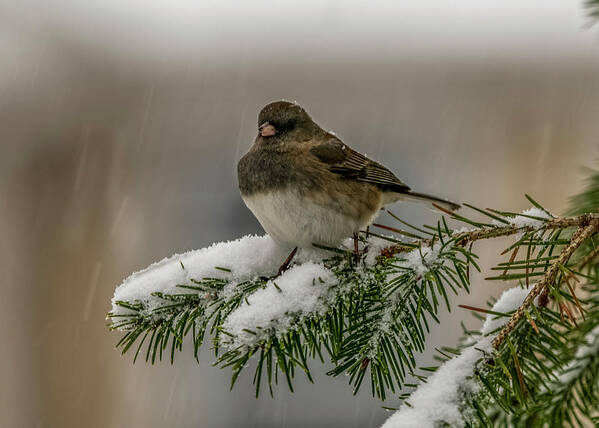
(247, 258)
(509, 301)
(462, 230)
(520, 221)
(421, 259)
(299, 292)
(440, 399)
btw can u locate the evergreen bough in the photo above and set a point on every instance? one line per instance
(542, 369)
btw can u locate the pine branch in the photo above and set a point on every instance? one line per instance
(592, 7)
(545, 371)
(369, 319)
(548, 279)
(465, 238)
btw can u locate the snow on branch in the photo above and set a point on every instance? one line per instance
(442, 398)
(421, 259)
(231, 262)
(532, 218)
(234, 261)
(301, 291)
(232, 277)
(416, 264)
(509, 301)
(371, 315)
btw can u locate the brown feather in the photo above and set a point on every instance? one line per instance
(350, 164)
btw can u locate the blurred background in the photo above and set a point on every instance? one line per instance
(121, 124)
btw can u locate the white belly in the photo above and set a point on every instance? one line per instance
(292, 220)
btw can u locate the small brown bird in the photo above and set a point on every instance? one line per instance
(305, 186)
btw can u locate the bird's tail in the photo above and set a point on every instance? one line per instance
(423, 197)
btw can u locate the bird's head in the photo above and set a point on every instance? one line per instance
(282, 120)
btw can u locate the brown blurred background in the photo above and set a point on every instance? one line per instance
(120, 129)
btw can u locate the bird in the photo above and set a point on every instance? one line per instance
(306, 186)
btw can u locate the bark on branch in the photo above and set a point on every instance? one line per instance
(495, 232)
(586, 229)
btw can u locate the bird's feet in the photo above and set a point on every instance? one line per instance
(357, 254)
(287, 261)
(283, 267)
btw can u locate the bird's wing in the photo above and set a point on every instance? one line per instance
(350, 164)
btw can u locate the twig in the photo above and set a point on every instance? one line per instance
(544, 296)
(588, 258)
(585, 230)
(495, 232)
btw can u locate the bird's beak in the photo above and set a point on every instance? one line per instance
(267, 130)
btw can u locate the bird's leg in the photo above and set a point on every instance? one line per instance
(365, 249)
(356, 248)
(287, 261)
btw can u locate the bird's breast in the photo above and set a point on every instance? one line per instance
(292, 218)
